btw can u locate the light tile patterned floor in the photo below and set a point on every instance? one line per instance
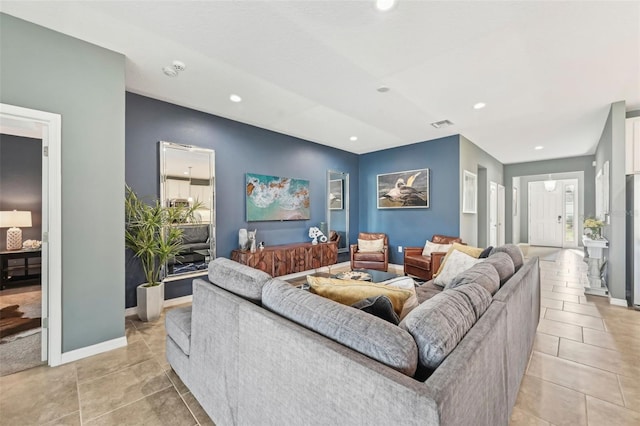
(584, 370)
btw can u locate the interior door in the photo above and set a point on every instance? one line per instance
(493, 214)
(545, 215)
(501, 215)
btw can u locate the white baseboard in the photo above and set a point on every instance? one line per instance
(167, 303)
(618, 302)
(96, 349)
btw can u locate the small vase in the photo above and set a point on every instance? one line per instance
(314, 241)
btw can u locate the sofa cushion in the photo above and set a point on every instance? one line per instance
(478, 296)
(458, 262)
(503, 264)
(239, 279)
(514, 253)
(423, 262)
(178, 326)
(408, 284)
(349, 292)
(372, 256)
(438, 325)
(427, 290)
(194, 234)
(430, 247)
(379, 306)
(469, 250)
(483, 273)
(357, 330)
(371, 245)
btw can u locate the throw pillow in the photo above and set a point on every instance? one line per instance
(457, 263)
(514, 252)
(379, 306)
(483, 273)
(485, 253)
(409, 284)
(349, 292)
(471, 251)
(430, 247)
(370, 245)
(503, 264)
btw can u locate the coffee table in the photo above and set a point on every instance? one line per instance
(376, 276)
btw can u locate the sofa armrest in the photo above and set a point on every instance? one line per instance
(436, 260)
(413, 251)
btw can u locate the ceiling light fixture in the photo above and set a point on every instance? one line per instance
(173, 69)
(235, 98)
(385, 5)
(538, 148)
(353, 138)
(441, 124)
(169, 71)
(383, 89)
(479, 105)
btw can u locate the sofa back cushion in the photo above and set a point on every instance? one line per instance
(503, 264)
(192, 234)
(438, 324)
(367, 334)
(443, 239)
(483, 273)
(239, 279)
(514, 253)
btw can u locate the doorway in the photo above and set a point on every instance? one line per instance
(496, 214)
(553, 213)
(45, 126)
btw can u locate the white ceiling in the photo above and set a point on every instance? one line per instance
(546, 70)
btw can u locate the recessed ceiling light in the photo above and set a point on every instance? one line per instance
(186, 173)
(179, 65)
(479, 105)
(385, 5)
(383, 89)
(235, 98)
(539, 147)
(169, 71)
(441, 124)
(353, 138)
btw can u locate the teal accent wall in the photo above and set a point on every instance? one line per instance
(48, 71)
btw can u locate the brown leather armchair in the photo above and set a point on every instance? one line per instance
(424, 266)
(370, 260)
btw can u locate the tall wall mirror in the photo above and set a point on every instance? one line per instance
(338, 208)
(187, 176)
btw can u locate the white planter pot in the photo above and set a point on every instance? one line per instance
(150, 301)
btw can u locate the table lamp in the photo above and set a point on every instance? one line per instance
(14, 220)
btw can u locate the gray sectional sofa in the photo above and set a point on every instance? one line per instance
(257, 351)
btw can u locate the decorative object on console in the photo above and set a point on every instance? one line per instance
(593, 228)
(252, 240)
(31, 244)
(243, 239)
(14, 220)
(153, 234)
(276, 198)
(354, 275)
(469, 192)
(315, 233)
(409, 189)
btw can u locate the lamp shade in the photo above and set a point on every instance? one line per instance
(15, 219)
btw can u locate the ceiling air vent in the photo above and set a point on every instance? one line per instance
(441, 124)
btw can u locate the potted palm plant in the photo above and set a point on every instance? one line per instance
(151, 234)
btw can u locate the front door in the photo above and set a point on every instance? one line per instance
(545, 215)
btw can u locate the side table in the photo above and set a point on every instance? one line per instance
(25, 270)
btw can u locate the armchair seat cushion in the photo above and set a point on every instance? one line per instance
(369, 256)
(420, 261)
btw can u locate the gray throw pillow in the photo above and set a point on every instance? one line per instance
(514, 253)
(503, 264)
(379, 306)
(483, 273)
(438, 325)
(478, 296)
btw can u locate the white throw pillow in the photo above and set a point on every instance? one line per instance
(458, 262)
(370, 245)
(430, 247)
(409, 284)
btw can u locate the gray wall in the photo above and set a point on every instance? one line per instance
(21, 182)
(472, 157)
(611, 147)
(545, 167)
(45, 70)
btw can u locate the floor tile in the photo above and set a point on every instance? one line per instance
(72, 419)
(546, 343)
(560, 296)
(581, 378)
(177, 382)
(578, 308)
(125, 386)
(548, 401)
(109, 362)
(568, 290)
(196, 409)
(630, 392)
(560, 329)
(601, 413)
(520, 417)
(575, 319)
(162, 408)
(597, 357)
(550, 303)
(22, 400)
(611, 341)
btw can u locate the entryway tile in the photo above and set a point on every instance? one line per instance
(553, 403)
(601, 413)
(560, 329)
(576, 319)
(109, 362)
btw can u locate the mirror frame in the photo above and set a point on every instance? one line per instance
(162, 145)
(345, 203)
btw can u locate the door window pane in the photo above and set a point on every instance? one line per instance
(569, 209)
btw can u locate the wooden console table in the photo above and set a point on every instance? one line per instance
(289, 258)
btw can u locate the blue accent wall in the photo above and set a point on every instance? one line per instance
(239, 149)
(412, 227)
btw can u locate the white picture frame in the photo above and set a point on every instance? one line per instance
(469, 192)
